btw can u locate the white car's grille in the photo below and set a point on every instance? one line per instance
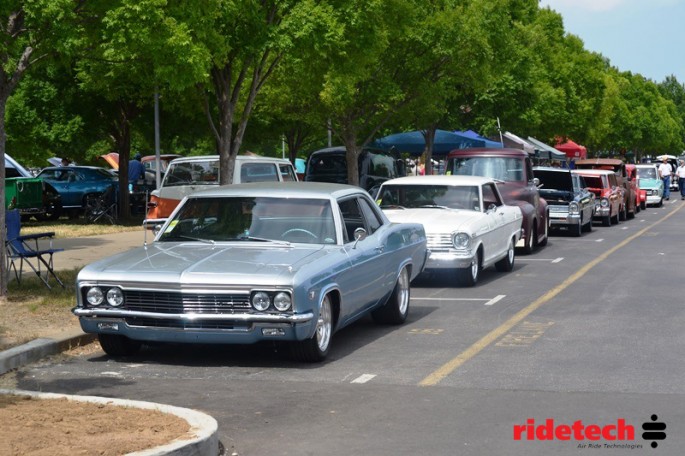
(439, 242)
(557, 208)
(177, 303)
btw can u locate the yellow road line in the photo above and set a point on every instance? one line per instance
(446, 369)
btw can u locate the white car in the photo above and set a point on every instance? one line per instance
(187, 175)
(467, 224)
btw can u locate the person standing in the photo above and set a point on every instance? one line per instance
(680, 173)
(665, 171)
(136, 170)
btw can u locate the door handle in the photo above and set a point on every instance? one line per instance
(380, 249)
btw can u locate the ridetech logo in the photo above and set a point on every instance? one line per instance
(580, 431)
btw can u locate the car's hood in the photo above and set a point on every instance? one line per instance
(434, 220)
(649, 183)
(193, 263)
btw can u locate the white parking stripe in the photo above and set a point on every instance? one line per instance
(599, 240)
(558, 260)
(449, 299)
(363, 378)
(495, 299)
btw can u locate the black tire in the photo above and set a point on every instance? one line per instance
(52, 212)
(614, 219)
(643, 205)
(607, 220)
(661, 202)
(116, 345)
(530, 240)
(506, 264)
(546, 238)
(588, 226)
(315, 349)
(396, 309)
(623, 214)
(469, 276)
(577, 230)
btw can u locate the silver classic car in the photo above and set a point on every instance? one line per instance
(571, 204)
(466, 221)
(290, 262)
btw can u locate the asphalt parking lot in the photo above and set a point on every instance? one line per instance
(586, 329)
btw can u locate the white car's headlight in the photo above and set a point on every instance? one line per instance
(461, 240)
(573, 207)
(604, 202)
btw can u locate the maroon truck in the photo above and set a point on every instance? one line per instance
(513, 171)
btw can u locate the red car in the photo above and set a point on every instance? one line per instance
(512, 169)
(608, 194)
(641, 200)
(630, 189)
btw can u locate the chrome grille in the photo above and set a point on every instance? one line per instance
(177, 303)
(439, 242)
(557, 208)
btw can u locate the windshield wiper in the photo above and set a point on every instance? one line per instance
(258, 239)
(187, 238)
(433, 206)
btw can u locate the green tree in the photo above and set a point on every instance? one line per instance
(31, 31)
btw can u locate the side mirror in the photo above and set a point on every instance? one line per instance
(360, 234)
(492, 207)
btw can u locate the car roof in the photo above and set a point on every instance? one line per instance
(594, 172)
(646, 165)
(315, 190)
(74, 167)
(440, 180)
(551, 169)
(238, 157)
(488, 152)
(600, 161)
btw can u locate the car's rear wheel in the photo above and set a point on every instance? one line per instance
(469, 276)
(117, 345)
(506, 264)
(643, 205)
(395, 311)
(315, 349)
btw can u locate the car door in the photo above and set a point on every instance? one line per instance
(364, 282)
(498, 238)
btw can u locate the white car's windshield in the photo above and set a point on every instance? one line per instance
(427, 196)
(217, 219)
(500, 168)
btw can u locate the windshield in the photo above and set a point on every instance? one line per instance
(502, 168)
(646, 173)
(219, 219)
(426, 196)
(555, 180)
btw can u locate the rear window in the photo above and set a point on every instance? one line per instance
(258, 172)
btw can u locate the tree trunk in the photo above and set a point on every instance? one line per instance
(121, 133)
(429, 138)
(4, 276)
(352, 152)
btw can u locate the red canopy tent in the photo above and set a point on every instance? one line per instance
(572, 150)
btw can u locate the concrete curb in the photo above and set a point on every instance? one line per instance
(203, 426)
(40, 348)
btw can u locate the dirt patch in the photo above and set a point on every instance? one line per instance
(61, 427)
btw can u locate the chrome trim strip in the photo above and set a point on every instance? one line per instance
(257, 318)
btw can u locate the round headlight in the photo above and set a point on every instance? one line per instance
(261, 301)
(573, 207)
(282, 301)
(461, 241)
(115, 297)
(95, 296)
(604, 202)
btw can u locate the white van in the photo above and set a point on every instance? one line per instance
(188, 175)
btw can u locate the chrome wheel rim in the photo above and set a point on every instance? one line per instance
(474, 268)
(510, 253)
(324, 325)
(403, 291)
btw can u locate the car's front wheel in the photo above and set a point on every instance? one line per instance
(395, 311)
(469, 276)
(315, 349)
(116, 345)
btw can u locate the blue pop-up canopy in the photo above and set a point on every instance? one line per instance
(472, 134)
(414, 142)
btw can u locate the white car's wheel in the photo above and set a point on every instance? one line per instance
(469, 276)
(506, 264)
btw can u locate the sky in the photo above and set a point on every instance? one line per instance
(640, 36)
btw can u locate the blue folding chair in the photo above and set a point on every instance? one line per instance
(26, 249)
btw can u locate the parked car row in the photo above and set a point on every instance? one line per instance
(292, 263)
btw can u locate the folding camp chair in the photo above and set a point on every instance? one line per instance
(102, 206)
(26, 249)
